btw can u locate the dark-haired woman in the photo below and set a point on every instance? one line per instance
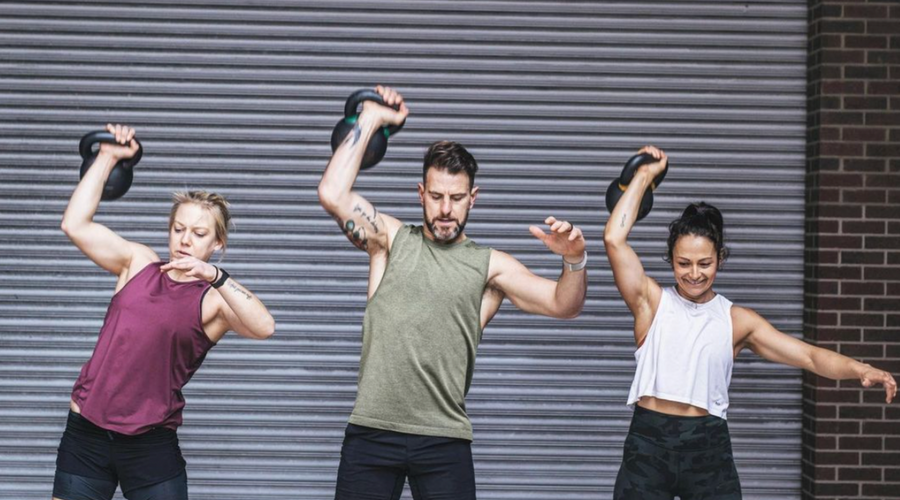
(687, 337)
(163, 319)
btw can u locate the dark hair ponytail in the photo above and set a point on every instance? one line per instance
(699, 219)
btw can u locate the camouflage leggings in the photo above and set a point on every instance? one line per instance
(667, 456)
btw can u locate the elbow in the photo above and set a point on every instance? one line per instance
(611, 241)
(328, 197)
(570, 312)
(267, 329)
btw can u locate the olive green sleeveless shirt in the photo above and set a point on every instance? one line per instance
(420, 333)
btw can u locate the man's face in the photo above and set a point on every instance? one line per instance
(446, 201)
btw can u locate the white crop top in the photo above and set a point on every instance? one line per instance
(687, 355)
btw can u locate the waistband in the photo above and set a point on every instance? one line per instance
(679, 433)
(83, 427)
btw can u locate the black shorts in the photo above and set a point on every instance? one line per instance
(667, 456)
(375, 464)
(91, 460)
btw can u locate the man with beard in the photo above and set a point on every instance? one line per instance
(431, 293)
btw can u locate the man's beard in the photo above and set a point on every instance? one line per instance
(452, 235)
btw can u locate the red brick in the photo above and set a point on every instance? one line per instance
(864, 164)
(889, 88)
(839, 212)
(891, 273)
(836, 87)
(883, 118)
(852, 102)
(862, 351)
(862, 227)
(865, 196)
(865, 72)
(891, 459)
(878, 57)
(865, 42)
(892, 474)
(840, 242)
(877, 396)
(876, 27)
(830, 26)
(837, 458)
(862, 288)
(841, 149)
(841, 180)
(861, 443)
(883, 181)
(893, 289)
(885, 242)
(883, 212)
(837, 427)
(862, 257)
(886, 490)
(841, 118)
(879, 304)
(892, 320)
(863, 134)
(867, 12)
(881, 335)
(861, 319)
(860, 412)
(859, 474)
(838, 334)
(827, 133)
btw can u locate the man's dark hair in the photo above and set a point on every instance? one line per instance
(452, 157)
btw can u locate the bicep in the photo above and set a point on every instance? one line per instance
(362, 223)
(526, 290)
(772, 344)
(636, 288)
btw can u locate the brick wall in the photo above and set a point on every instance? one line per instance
(851, 439)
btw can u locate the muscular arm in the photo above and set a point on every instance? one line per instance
(367, 228)
(100, 244)
(753, 331)
(244, 312)
(531, 293)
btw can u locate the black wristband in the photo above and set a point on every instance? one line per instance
(223, 277)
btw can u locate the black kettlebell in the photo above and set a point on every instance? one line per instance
(378, 145)
(618, 186)
(122, 174)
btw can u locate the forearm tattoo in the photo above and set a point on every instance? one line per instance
(234, 286)
(354, 135)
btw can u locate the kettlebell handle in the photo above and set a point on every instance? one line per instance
(362, 95)
(86, 147)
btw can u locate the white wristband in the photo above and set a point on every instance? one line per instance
(578, 266)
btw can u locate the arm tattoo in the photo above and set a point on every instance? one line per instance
(353, 136)
(371, 219)
(356, 234)
(623, 219)
(232, 285)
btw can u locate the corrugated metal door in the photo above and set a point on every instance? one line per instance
(240, 97)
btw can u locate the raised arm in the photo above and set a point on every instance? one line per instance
(361, 222)
(563, 298)
(640, 292)
(753, 331)
(100, 244)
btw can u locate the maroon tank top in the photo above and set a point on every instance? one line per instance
(151, 343)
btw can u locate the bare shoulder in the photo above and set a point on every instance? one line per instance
(141, 255)
(744, 321)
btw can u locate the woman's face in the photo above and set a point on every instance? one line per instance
(695, 263)
(193, 233)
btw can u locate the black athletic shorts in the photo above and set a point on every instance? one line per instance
(375, 463)
(92, 461)
(667, 456)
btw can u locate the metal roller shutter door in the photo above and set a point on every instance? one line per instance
(551, 97)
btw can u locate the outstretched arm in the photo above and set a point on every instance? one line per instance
(640, 292)
(100, 244)
(365, 227)
(764, 339)
(531, 293)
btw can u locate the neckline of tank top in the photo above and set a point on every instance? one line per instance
(695, 305)
(444, 246)
(176, 282)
